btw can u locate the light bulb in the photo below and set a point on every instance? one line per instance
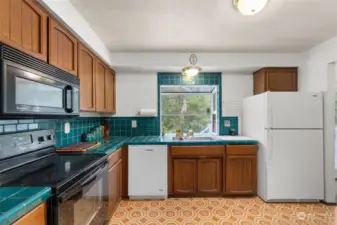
(250, 7)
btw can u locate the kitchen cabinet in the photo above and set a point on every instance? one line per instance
(100, 86)
(110, 91)
(210, 175)
(37, 216)
(23, 25)
(86, 73)
(241, 170)
(185, 176)
(62, 47)
(114, 182)
(275, 79)
(196, 170)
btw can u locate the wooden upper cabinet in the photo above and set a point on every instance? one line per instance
(100, 86)
(210, 175)
(86, 73)
(110, 91)
(184, 176)
(62, 47)
(23, 25)
(275, 79)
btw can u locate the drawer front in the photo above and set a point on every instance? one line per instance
(114, 157)
(206, 150)
(241, 149)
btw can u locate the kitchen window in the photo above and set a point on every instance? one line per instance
(189, 108)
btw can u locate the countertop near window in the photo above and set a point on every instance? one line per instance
(15, 202)
(113, 143)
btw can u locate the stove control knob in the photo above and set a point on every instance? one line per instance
(40, 139)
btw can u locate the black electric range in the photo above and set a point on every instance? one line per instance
(78, 181)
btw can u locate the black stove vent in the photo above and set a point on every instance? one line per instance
(16, 56)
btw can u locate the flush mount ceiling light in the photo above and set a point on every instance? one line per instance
(192, 70)
(249, 7)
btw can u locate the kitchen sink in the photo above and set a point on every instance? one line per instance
(193, 139)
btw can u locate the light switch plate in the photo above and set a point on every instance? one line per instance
(227, 123)
(134, 124)
(67, 128)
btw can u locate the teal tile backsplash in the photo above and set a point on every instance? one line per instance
(146, 126)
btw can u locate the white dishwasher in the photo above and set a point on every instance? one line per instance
(148, 171)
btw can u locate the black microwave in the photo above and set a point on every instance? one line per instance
(26, 92)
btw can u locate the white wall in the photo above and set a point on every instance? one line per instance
(74, 20)
(135, 91)
(317, 74)
(210, 62)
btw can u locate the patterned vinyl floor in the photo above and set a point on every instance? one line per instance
(209, 211)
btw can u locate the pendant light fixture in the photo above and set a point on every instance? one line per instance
(249, 7)
(192, 70)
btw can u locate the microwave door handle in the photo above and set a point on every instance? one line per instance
(66, 91)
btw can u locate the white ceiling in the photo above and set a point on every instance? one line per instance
(209, 25)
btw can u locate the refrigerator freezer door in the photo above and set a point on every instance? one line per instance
(294, 110)
(294, 165)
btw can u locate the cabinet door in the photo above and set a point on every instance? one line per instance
(120, 181)
(100, 86)
(259, 82)
(282, 80)
(23, 25)
(241, 174)
(110, 91)
(86, 73)
(37, 216)
(184, 176)
(62, 48)
(209, 175)
(113, 179)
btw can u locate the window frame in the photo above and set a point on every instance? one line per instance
(211, 95)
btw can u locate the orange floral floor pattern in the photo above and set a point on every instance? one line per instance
(222, 211)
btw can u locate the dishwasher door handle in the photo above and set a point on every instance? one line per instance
(148, 150)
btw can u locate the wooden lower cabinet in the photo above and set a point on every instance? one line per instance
(210, 175)
(37, 216)
(241, 171)
(185, 176)
(115, 185)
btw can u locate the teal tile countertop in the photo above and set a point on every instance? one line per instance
(15, 202)
(113, 143)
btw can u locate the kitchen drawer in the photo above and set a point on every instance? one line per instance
(114, 157)
(203, 150)
(241, 149)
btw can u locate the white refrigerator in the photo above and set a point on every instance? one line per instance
(289, 128)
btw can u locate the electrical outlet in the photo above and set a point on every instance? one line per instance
(134, 124)
(67, 128)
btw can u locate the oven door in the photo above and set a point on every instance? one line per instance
(85, 202)
(26, 92)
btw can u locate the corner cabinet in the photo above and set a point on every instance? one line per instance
(241, 170)
(110, 91)
(62, 47)
(86, 73)
(37, 216)
(100, 86)
(275, 79)
(23, 25)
